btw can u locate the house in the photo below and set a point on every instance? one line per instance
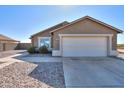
(84, 37)
(7, 43)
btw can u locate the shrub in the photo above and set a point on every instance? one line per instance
(36, 50)
(31, 50)
(43, 50)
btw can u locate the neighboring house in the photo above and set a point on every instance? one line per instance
(81, 38)
(7, 43)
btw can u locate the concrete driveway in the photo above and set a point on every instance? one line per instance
(93, 72)
(10, 52)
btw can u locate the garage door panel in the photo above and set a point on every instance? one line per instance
(84, 46)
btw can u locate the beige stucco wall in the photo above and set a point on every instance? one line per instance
(10, 46)
(7, 45)
(45, 33)
(1, 47)
(84, 27)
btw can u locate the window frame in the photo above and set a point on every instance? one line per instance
(39, 38)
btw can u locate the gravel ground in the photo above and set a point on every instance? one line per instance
(44, 75)
(50, 73)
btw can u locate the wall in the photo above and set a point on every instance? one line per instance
(1, 47)
(23, 46)
(7, 45)
(10, 46)
(84, 27)
(34, 39)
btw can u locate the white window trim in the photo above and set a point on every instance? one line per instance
(109, 35)
(39, 38)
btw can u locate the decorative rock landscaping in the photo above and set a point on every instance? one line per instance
(44, 75)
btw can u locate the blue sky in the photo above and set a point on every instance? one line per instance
(20, 22)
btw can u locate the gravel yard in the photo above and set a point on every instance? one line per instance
(30, 75)
(50, 73)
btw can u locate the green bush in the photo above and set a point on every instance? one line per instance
(43, 50)
(31, 50)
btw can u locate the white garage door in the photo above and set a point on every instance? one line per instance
(84, 46)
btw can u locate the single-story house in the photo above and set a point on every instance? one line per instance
(84, 37)
(7, 43)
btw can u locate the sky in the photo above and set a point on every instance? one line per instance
(20, 22)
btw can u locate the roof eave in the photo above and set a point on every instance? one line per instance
(93, 19)
(47, 29)
(9, 40)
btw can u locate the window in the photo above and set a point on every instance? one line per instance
(44, 41)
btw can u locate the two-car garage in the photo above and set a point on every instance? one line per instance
(84, 46)
(85, 37)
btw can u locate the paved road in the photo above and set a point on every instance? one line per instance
(93, 72)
